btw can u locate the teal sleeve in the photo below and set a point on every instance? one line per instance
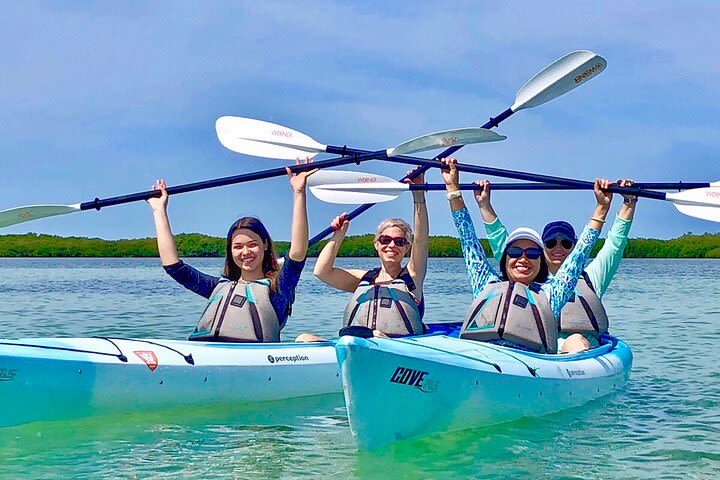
(561, 286)
(496, 235)
(603, 267)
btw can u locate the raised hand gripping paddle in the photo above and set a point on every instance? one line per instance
(17, 215)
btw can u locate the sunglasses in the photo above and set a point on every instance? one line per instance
(531, 253)
(566, 244)
(399, 241)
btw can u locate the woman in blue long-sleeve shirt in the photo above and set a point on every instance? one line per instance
(251, 301)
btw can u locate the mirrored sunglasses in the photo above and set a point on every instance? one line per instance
(532, 253)
(386, 239)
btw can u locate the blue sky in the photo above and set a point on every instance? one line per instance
(100, 99)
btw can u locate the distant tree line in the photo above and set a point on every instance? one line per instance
(197, 245)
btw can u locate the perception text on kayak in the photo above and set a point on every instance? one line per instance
(284, 358)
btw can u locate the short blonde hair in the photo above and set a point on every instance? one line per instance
(395, 222)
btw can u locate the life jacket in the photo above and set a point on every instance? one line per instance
(515, 313)
(584, 312)
(239, 312)
(388, 306)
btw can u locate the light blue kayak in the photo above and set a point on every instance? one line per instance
(62, 378)
(404, 388)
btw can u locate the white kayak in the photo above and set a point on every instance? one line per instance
(403, 388)
(62, 378)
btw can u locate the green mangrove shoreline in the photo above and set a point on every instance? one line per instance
(197, 245)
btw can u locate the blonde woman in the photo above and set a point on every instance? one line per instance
(387, 300)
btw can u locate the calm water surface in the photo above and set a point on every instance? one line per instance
(664, 424)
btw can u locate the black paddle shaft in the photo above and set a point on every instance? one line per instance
(218, 182)
(493, 122)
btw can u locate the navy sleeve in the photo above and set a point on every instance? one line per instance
(287, 281)
(192, 278)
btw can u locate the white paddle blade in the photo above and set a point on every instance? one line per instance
(352, 194)
(347, 187)
(558, 78)
(13, 216)
(337, 177)
(445, 139)
(265, 139)
(701, 203)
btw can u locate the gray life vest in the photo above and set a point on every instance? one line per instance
(389, 306)
(513, 312)
(584, 312)
(239, 312)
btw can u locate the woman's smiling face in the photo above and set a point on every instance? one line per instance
(248, 250)
(523, 269)
(392, 252)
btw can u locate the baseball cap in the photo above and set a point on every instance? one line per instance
(559, 229)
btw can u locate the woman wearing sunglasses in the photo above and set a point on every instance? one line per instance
(388, 300)
(583, 319)
(519, 306)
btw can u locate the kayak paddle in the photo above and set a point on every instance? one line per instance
(265, 139)
(558, 78)
(17, 215)
(346, 187)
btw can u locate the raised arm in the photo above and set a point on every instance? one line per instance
(165, 240)
(604, 266)
(562, 286)
(479, 270)
(299, 230)
(495, 231)
(627, 210)
(417, 267)
(325, 269)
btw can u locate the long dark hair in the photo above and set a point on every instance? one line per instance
(269, 265)
(542, 275)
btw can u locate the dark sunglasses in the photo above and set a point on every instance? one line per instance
(386, 239)
(566, 244)
(532, 253)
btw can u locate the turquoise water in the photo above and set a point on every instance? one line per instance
(664, 424)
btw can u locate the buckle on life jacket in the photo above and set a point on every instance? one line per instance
(238, 301)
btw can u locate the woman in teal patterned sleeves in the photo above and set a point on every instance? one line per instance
(522, 259)
(558, 240)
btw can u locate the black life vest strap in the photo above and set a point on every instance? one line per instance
(586, 277)
(352, 315)
(227, 300)
(406, 320)
(540, 327)
(589, 313)
(255, 315)
(375, 303)
(506, 308)
(477, 309)
(371, 275)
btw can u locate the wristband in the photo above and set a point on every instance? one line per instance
(599, 220)
(455, 194)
